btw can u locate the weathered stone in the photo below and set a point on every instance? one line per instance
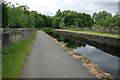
(114, 30)
(10, 35)
(99, 39)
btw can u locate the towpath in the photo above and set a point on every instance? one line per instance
(48, 60)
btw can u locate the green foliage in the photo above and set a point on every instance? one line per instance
(17, 16)
(47, 30)
(62, 24)
(56, 23)
(4, 14)
(58, 13)
(69, 20)
(105, 19)
(74, 19)
(47, 21)
(95, 25)
(20, 16)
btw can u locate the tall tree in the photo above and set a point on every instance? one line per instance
(62, 24)
(58, 13)
(103, 18)
(4, 14)
(56, 22)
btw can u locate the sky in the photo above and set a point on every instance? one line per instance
(50, 7)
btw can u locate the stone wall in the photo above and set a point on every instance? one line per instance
(115, 30)
(10, 35)
(0, 15)
(100, 39)
(0, 36)
(0, 41)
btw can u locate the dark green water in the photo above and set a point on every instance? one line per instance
(107, 57)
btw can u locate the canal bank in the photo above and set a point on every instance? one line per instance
(102, 54)
(92, 37)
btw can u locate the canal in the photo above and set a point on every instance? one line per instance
(107, 57)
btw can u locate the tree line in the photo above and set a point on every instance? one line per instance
(19, 16)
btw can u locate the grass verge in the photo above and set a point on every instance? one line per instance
(14, 56)
(93, 33)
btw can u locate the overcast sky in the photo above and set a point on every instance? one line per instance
(49, 7)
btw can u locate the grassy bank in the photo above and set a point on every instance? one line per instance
(93, 33)
(14, 56)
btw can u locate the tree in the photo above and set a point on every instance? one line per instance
(4, 14)
(58, 13)
(20, 17)
(103, 18)
(69, 20)
(75, 19)
(62, 24)
(76, 22)
(40, 21)
(56, 23)
(117, 20)
(47, 21)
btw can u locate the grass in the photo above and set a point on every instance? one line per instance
(0, 65)
(93, 33)
(14, 56)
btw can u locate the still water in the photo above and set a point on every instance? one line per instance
(107, 57)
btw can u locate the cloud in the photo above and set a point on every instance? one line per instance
(49, 7)
(109, 6)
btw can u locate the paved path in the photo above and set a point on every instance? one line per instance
(48, 60)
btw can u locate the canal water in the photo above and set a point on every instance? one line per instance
(107, 57)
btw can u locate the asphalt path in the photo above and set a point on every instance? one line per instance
(48, 60)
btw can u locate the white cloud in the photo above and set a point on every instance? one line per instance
(49, 7)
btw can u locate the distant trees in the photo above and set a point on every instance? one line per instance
(56, 22)
(20, 16)
(58, 13)
(105, 19)
(70, 18)
(47, 21)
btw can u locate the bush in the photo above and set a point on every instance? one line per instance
(96, 25)
(47, 30)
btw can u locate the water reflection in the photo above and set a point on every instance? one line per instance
(74, 42)
(98, 53)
